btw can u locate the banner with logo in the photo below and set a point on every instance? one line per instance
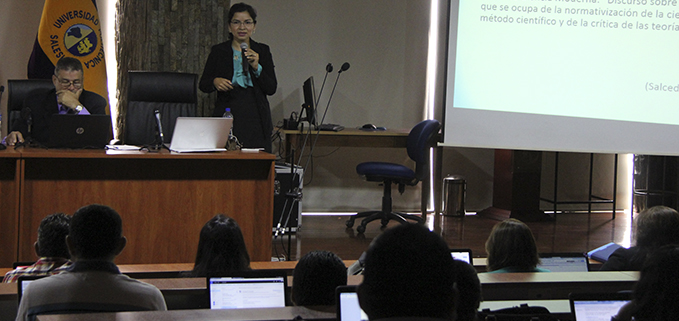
(70, 28)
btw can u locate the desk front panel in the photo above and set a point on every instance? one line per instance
(10, 175)
(163, 202)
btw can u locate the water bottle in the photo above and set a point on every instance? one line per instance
(228, 114)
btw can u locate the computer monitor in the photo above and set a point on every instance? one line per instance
(309, 107)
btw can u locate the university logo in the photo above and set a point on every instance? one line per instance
(80, 40)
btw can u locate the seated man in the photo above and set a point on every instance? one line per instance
(94, 282)
(50, 247)
(315, 278)
(67, 97)
(409, 273)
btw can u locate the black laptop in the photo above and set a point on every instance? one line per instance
(79, 131)
(348, 308)
(248, 289)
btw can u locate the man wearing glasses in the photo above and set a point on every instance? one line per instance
(67, 97)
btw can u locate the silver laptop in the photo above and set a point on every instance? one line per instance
(200, 134)
(248, 289)
(597, 306)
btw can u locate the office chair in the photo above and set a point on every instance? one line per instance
(173, 94)
(420, 140)
(17, 91)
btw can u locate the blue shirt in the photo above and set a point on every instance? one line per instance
(239, 77)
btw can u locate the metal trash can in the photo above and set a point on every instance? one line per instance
(454, 194)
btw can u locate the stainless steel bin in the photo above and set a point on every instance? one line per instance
(454, 194)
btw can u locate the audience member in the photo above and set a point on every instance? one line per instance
(656, 294)
(655, 227)
(315, 278)
(94, 282)
(409, 273)
(221, 248)
(50, 248)
(511, 248)
(469, 288)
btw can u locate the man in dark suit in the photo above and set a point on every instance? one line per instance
(67, 97)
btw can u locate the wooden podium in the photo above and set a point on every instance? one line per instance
(516, 186)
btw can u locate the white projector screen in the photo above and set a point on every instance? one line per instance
(564, 75)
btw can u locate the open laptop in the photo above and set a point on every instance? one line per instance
(23, 281)
(564, 262)
(348, 308)
(248, 289)
(79, 131)
(462, 255)
(200, 134)
(597, 306)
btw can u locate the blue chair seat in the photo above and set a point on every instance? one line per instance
(378, 171)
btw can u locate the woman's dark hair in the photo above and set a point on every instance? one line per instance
(657, 226)
(511, 243)
(315, 278)
(221, 248)
(657, 292)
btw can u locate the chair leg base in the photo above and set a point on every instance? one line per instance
(385, 218)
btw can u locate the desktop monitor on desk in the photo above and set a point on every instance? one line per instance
(309, 106)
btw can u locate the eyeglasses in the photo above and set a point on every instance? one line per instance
(246, 23)
(67, 83)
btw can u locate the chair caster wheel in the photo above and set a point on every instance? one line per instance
(360, 229)
(384, 223)
(349, 223)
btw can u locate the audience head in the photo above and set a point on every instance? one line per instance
(96, 233)
(408, 272)
(511, 243)
(657, 226)
(52, 236)
(315, 278)
(657, 292)
(221, 248)
(469, 289)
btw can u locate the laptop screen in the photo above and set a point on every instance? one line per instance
(597, 306)
(462, 255)
(564, 262)
(348, 308)
(23, 281)
(241, 292)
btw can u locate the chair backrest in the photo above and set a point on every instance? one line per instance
(17, 91)
(174, 94)
(420, 139)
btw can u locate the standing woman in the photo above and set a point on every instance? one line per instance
(242, 85)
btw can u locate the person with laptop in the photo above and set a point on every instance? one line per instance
(241, 70)
(50, 248)
(655, 227)
(409, 273)
(94, 282)
(67, 97)
(656, 294)
(511, 248)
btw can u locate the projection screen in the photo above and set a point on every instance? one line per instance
(563, 75)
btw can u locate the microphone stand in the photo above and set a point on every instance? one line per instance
(160, 137)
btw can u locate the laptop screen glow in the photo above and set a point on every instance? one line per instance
(462, 255)
(564, 264)
(350, 310)
(596, 310)
(241, 293)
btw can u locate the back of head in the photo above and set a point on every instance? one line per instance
(469, 289)
(52, 236)
(657, 226)
(657, 292)
(68, 64)
(408, 272)
(221, 248)
(95, 232)
(511, 243)
(315, 278)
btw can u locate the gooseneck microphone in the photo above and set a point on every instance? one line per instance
(328, 69)
(345, 67)
(246, 64)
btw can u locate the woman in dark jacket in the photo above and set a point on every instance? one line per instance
(241, 70)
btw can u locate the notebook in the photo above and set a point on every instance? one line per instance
(200, 134)
(602, 253)
(597, 306)
(564, 262)
(79, 131)
(462, 255)
(348, 308)
(23, 281)
(248, 289)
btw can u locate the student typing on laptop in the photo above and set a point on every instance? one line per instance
(67, 97)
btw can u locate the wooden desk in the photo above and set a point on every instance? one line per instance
(163, 198)
(352, 137)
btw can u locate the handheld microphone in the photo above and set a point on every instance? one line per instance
(159, 125)
(246, 64)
